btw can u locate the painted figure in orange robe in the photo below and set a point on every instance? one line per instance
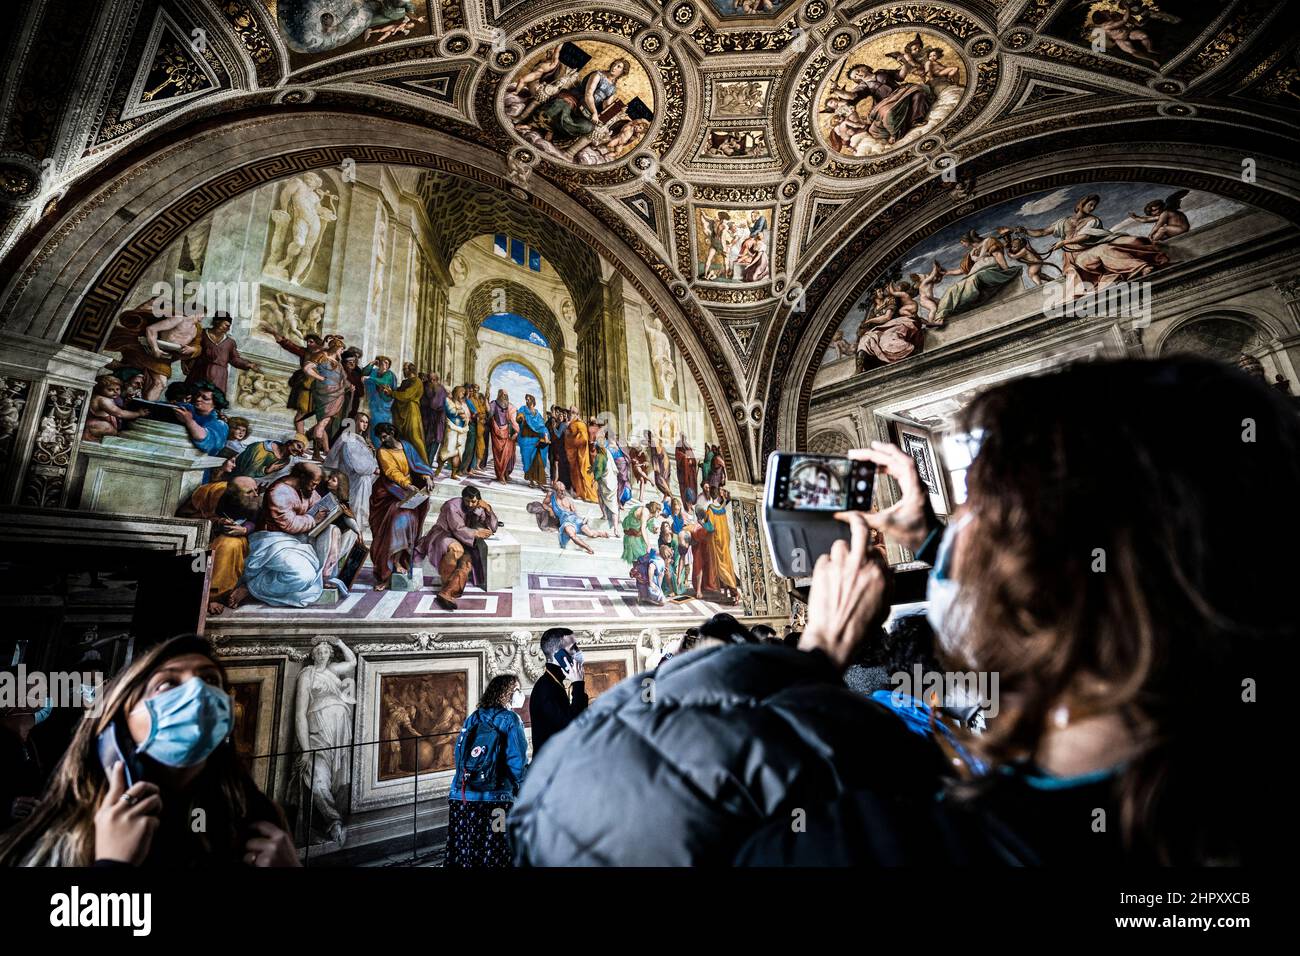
(704, 576)
(724, 569)
(232, 507)
(577, 448)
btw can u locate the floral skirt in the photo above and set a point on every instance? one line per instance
(474, 837)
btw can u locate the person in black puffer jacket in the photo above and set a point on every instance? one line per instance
(723, 739)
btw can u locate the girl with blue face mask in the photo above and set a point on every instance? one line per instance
(156, 761)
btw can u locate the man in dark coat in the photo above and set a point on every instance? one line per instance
(352, 366)
(553, 706)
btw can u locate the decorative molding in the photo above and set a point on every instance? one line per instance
(52, 526)
(57, 431)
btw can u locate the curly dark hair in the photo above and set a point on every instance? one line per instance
(219, 399)
(498, 691)
(1162, 470)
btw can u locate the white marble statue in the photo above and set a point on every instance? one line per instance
(299, 221)
(323, 706)
(661, 357)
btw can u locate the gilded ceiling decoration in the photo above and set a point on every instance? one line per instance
(767, 159)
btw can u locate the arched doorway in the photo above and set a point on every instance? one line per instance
(496, 298)
(515, 375)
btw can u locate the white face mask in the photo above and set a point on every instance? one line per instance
(947, 614)
(517, 699)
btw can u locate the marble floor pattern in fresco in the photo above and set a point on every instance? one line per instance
(537, 597)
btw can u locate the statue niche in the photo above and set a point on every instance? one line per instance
(301, 224)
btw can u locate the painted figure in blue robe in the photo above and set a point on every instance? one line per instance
(533, 437)
(207, 432)
(648, 572)
(380, 385)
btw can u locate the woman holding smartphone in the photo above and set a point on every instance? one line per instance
(1118, 564)
(1129, 584)
(138, 780)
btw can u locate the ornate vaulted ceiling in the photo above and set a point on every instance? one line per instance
(731, 114)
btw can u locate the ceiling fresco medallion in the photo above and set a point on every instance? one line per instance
(316, 29)
(580, 102)
(889, 91)
(747, 9)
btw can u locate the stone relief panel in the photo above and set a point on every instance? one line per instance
(51, 458)
(14, 393)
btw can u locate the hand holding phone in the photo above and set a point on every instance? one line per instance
(570, 663)
(801, 496)
(126, 819)
(116, 748)
(910, 519)
(847, 595)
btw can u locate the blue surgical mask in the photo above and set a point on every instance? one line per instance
(186, 724)
(947, 615)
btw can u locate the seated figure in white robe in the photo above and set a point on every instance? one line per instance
(285, 563)
(353, 454)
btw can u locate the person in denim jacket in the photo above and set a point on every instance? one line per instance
(476, 823)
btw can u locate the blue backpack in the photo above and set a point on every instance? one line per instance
(483, 756)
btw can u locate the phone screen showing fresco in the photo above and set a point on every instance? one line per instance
(817, 484)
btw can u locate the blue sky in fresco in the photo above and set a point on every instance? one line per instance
(510, 324)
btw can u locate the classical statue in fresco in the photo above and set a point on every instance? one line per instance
(323, 703)
(298, 222)
(377, 279)
(661, 357)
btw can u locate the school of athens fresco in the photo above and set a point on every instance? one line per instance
(371, 447)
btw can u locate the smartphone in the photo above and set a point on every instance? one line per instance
(820, 483)
(801, 495)
(116, 746)
(563, 659)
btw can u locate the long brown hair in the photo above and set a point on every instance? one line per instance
(498, 691)
(1130, 555)
(61, 830)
